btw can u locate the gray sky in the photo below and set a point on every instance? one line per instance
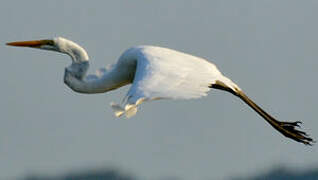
(269, 48)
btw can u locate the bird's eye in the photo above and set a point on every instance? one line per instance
(48, 42)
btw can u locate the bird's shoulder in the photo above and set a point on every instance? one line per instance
(151, 52)
(142, 50)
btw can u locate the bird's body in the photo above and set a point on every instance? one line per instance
(155, 73)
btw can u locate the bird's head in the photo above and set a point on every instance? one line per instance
(59, 44)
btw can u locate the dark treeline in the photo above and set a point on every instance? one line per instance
(101, 174)
(278, 173)
(283, 173)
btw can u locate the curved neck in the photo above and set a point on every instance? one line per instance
(97, 83)
(75, 74)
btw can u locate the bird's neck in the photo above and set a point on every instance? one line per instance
(77, 80)
(75, 74)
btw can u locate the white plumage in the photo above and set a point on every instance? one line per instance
(163, 73)
(155, 73)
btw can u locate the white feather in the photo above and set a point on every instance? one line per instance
(163, 73)
(169, 74)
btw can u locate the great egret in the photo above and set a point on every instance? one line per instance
(155, 73)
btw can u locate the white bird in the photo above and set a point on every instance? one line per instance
(155, 73)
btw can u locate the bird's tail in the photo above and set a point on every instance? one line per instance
(286, 128)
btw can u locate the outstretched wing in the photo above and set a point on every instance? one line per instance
(169, 74)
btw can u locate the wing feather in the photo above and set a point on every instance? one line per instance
(165, 73)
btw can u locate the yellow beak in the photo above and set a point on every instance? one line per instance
(34, 44)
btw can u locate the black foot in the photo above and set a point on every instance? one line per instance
(297, 135)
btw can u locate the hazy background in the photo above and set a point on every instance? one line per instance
(270, 48)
